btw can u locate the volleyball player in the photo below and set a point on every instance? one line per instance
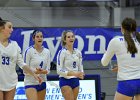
(10, 55)
(69, 67)
(37, 55)
(127, 50)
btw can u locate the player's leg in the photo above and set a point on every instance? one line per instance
(67, 93)
(1, 95)
(75, 92)
(66, 88)
(119, 96)
(31, 93)
(9, 95)
(75, 86)
(41, 91)
(41, 94)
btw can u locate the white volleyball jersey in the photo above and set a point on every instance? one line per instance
(128, 64)
(67, 61)
(9, 57)
(35, 59)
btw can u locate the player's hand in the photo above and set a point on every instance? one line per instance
(41, 71)
(80, 75)
(40, 80)
(115, 69)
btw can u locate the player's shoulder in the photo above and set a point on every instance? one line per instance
(77, 50)
(13, 42)
(117, 39)
(63, 50)
(29, 49)
(46, 50)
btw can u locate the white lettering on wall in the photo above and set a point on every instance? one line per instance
(26, 39)
(91, 44)
(80, 45)
(80, 42)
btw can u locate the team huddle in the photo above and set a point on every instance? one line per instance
(35, 63)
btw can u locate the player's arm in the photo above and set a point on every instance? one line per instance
(80, 67)
(80, 62)
(115, 68)
(60, 62)
(28, 70)
(109, 53)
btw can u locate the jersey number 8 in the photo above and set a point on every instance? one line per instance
(74, 64)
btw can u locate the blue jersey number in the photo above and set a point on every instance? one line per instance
(74, 64)
(41, 64)
(5, 60)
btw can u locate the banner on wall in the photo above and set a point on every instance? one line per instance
(90, 89)
(54, 93)
(91, 41)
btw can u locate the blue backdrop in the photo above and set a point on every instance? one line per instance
(91, 41)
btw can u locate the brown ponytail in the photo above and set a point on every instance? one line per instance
(129, 25)
(130, 43)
